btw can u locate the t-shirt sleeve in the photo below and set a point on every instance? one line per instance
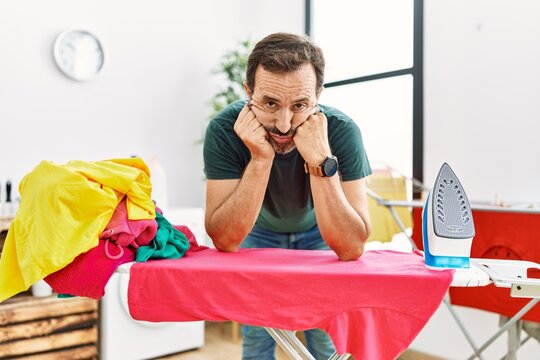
(222, 159)
(347, 145)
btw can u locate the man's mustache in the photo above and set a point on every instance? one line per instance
(275, 130)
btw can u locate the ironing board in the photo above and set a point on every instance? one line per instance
(285, 289)
(503, 273)
(483, 272)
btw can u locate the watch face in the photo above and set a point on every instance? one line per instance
(78, 54)
(330, 166)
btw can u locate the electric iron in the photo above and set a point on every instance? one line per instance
(447, 223)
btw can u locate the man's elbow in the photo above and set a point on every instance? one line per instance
(355, 250)
(351, 254)
(224, 243)
(225, 247)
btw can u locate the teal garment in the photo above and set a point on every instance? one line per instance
(65, 296)
(287, 205)
(169, 243)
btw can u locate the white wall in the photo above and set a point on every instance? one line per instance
(152, 97)
(482, 91)
(482, 112)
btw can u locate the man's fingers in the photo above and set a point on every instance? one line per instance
(245, 110)
(244, 114)
(248, 125)
(244, 118)
(253, 124)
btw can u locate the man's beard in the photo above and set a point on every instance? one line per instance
(285, 148)
(282, 149)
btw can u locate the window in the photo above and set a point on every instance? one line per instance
(373, 52)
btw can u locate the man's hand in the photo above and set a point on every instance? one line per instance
(254, 135)
(311, 139)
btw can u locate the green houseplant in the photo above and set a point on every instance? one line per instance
(233, 65)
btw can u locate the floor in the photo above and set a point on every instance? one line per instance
(221, 344)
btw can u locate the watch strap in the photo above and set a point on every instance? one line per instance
(313, 170)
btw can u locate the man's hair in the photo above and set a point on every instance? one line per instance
(285, 52)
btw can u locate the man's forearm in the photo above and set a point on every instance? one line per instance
(341, 225)
(233, 220)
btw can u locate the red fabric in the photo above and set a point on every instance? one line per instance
(193, 244)
(88, 274)
(499, 235)
(372, 308)
(124, 232)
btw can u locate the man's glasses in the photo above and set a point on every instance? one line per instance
(274, 109)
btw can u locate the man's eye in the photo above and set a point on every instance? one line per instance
(270, 104)
(299, 107)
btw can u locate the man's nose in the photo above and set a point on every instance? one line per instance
(284, 120)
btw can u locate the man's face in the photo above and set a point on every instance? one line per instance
(282, 102)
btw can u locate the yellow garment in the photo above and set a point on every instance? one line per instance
(63, 211)
(383, 224)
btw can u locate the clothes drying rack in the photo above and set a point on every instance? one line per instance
(502, 273)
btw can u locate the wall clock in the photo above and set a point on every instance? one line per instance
(78, 54)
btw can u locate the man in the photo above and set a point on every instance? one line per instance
(283, 171)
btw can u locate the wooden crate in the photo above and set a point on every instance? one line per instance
(48, 328)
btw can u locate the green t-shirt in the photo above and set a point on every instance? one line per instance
(287, 205)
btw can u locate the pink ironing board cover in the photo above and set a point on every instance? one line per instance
(372, 308)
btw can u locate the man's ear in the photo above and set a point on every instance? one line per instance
(248, 91)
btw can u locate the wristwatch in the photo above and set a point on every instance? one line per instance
(329, 167)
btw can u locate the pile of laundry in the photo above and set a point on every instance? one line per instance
(78, 222)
